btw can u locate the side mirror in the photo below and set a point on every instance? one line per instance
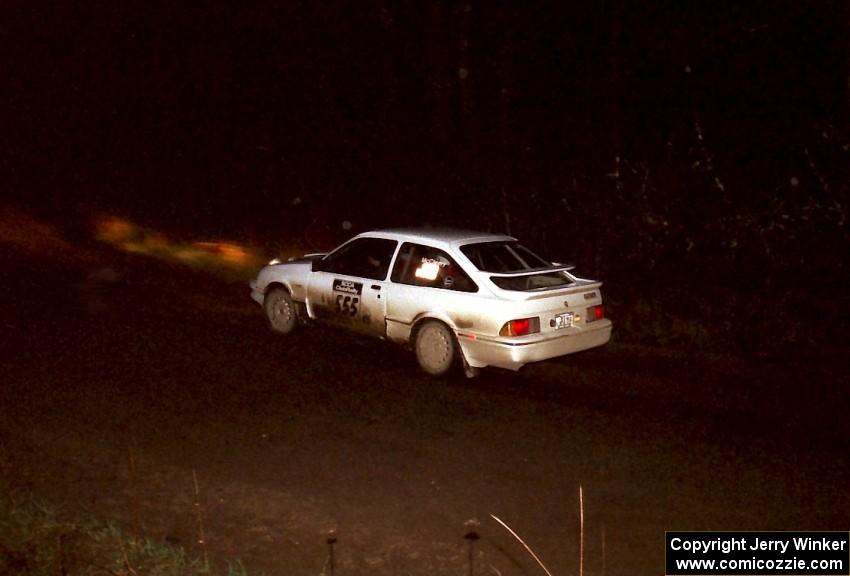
(316, 265)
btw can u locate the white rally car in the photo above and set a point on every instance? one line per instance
(459, 298)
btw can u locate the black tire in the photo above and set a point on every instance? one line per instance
(281, 311)
(435, 347)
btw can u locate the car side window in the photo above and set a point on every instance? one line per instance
(420, 265)
(363, 257)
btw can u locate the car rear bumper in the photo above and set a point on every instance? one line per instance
(513, 354)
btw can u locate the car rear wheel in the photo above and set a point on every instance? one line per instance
(280, 311)
(436, 349)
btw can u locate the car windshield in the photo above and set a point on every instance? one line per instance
(510, 256)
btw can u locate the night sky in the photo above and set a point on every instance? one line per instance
(620, 134)
(221, 101)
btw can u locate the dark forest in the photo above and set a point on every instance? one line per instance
(688, 154)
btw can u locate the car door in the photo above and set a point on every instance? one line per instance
(427, 280)
(347, 286)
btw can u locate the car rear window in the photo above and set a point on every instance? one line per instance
(503, 257)
(511, 256)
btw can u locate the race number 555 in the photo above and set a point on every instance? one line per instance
(347, 305)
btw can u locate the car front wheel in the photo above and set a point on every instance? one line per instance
(280, 311)
(436, 349)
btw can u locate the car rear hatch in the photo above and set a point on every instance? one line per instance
(574, 305)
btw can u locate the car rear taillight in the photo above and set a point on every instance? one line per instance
(595, 313)
(521, 327)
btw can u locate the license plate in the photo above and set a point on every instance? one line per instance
(563, 320)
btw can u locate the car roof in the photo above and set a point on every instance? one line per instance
(450, 236)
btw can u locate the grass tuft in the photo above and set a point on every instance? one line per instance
(38, 539)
